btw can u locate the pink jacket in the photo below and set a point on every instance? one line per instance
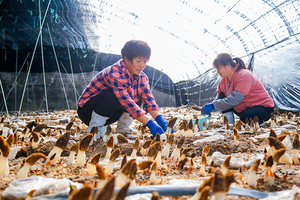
(254, 92)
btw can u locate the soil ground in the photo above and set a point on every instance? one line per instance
(286, 176)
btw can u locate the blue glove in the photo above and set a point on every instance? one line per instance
(154, 127)
(207, 108)
(162, 122)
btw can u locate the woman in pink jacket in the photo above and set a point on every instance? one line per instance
(239, 91)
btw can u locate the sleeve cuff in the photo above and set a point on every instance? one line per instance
(137, 113)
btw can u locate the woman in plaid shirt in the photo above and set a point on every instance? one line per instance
(118, 91)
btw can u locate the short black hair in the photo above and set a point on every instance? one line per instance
(136, 48)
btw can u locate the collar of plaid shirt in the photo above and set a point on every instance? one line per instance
(124, 69)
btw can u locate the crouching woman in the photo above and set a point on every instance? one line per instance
(117, 92)
(239, 92)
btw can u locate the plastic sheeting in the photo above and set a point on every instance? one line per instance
(185, 36)
(63, 90)
(61, 50)
(278, 68)
(19, 188)
(198, 91)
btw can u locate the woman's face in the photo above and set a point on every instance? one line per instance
(225, 71)
(136, 66)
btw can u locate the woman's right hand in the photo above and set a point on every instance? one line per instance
(207, 108)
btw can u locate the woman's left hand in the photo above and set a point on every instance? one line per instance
(162, 122)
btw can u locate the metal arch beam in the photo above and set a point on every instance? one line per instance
(280, 14)
(234, 33)
(276, 9)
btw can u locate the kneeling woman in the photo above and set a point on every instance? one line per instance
(239, 91)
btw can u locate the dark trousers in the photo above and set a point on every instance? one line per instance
(105, 104)
(263, 113)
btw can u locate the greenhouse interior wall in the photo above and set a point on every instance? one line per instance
(67, 71)
(46, 47)
(62, 91)
(277, 67)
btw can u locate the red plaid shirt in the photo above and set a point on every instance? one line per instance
(127, 89)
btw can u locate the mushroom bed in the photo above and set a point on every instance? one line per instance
(226, 154)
